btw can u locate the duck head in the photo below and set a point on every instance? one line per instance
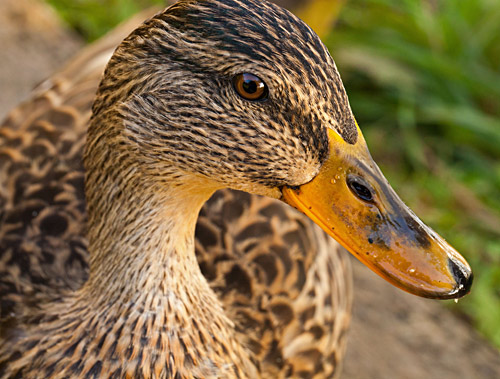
(242, 94)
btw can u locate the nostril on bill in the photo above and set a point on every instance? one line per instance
(463, 277)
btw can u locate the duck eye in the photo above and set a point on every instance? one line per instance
(360, 188)
(250, 87)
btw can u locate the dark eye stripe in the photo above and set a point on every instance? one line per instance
(250, 87)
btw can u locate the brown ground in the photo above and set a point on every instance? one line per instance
(393, 334)
(32, 45)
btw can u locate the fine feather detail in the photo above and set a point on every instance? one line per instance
(275, 300)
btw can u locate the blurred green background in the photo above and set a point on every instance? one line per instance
(423, 77)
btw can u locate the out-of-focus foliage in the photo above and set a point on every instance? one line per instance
(423, 79)
(93, 18)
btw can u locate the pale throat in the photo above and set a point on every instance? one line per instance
(143, 271)
(143, 248)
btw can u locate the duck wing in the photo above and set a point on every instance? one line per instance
(284, 283)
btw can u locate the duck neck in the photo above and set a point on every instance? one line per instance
(142, 217)
(144, 277)
(141, 242)
(145, 280)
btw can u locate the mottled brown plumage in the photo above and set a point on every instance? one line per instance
(272, 297)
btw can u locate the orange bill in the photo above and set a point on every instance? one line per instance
(353, 202)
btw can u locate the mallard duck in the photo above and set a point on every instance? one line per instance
(203, 96)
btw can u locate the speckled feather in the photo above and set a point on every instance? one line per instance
(278, 296)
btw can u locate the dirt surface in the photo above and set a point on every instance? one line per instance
(398, 335)
(32, 45)
(393, 334)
